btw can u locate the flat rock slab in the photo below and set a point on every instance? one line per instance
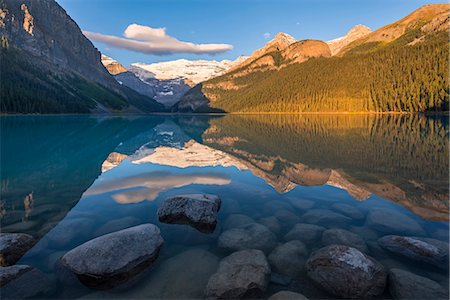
(406, 285)
(344, 237)
(425, 250)
(287, 295)
(13, 246)
(243, 274)
(250, 236)
(114, 258)
(22, 281)
(197, 210)
(390, 221)
(346, 272)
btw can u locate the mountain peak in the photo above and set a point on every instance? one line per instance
(356, 32)
(359, 29)
(284, 38)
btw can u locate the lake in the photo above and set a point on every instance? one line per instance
(68, 179)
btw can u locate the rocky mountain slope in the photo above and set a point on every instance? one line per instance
(113, 66)
(49, 66)
(366, 74)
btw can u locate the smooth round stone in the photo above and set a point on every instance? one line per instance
(289, 258)
(22, 281)
(250, 236)
(306, 233)
(116, 225)
(406, 285)
(325, 217)
(272, 223)
(197, 210)
(237, 220)
(302, 204)
(348, 211)
(243, 274)
(346, 272)
(392, 222)
(287, 295)
(13, 246)
(429, 251)
(114, 258)
(286, 217)
(344, 237)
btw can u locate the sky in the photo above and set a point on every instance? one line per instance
(150, 31)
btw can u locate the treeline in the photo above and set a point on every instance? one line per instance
(394, 77)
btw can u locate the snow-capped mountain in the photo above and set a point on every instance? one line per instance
(112, 65)
(355, 33)
(193, 70)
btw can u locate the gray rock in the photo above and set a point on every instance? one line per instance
(346, 272)
(197, 210)
(116, 225)
(280, 279)
(366, 233)
(22, 281)
(271, 206)
(425, 250)
(236, 220)
(13, 246)
(183, 276)
(306, 233)
(272, 223)
(69, 232)
(289, 258)
(287, 295)
(250, 236)
(406, 285)
(392, 222)
(348, 211)
(302, 205)
(287, 217)
(243, 274)
(114, 258)
(325, 217)
(344, 237)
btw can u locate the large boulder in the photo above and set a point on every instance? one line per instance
(197, 210)
(13, 246)
(406, 285)
(392, 222)
(346, 272)
(250, 236)
(306, 233)
(348, 210)
(344, 237)
(425, 250)
(114, 258)
(325, 217)
(289, 258)
(243, 274)
(287, 295)
(22, 281)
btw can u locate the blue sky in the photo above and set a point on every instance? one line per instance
(241, 24)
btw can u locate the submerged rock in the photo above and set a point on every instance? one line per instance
(346, 272)
(344, 237)
(13, 246)
(429, 251)
(243, 274)
(392, 222)
(302, 204)
(325, 217)
(272, 223)
(406, 285)
(250, 236)
(114, 258)
(197, 210)
(348, 211)
(116, 225)
(287, 295)
(289, 258)
(306, 233)
(236, 220)
(22, 281)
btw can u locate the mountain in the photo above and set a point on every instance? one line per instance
(113, 66)
(357, 32)
(402, 67)
(49, 66)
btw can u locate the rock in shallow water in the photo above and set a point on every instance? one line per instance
(325, 217)
(243, 274)
(429, 251)
(114, 258)
(13, 246)
(287, 295)
(289, 258)
(348, 211)
(22, 281)
(236, 220)
(406, 285)
(392, 222)
(197, 210)
(344, 237)
(346, 272)
(306, 233)
(250, 236)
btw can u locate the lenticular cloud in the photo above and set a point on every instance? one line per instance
(150, 40)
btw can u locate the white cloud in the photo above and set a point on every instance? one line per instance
(150, 40)
(267, 35)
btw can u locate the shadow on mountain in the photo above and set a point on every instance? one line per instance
(196, 101)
